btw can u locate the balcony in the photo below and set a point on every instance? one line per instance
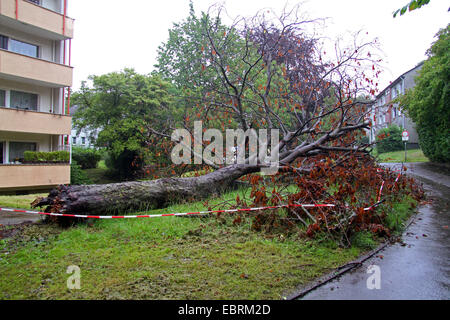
(14, 120)
(32, 18)
(18, 67)
(33, 176)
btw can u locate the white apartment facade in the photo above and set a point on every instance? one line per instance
(35, 81)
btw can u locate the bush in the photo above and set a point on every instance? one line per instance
(30, 156)
(77, 175)
(87, 158)
(47, 157)
(390, 139)
(126, 165)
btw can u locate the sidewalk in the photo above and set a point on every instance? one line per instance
(11, 218)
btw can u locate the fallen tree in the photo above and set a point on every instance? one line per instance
(280, 78)
(123, 197)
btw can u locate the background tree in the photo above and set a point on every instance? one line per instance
(121, 105)
(413, 5)
(428, 102)
(183, 61)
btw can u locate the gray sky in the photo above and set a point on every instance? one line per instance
(113, 34)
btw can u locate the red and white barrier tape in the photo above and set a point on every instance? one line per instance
(193, 213)
(177, 214)
(381, 190)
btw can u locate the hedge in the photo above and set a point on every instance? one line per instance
(390, 139)
(46, 157)
(86, 158)
(77, 175)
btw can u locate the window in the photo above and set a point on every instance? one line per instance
(35, 1)
(3, 42)
(23, 100)
(74, 140)
(19, 46)
(17, 149)
(1, 151)
(83, 140)
(2, 98)
(23, 48)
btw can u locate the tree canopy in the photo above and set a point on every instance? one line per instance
(413, 5)
(122, 105)
(268, 72)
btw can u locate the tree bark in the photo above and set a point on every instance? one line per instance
(120, 198)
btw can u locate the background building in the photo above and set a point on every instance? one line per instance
(385, 113)
(84, 137)
(35, 78)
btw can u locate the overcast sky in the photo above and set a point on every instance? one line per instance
(114, 34)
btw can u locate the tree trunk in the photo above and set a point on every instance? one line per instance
(126, 197)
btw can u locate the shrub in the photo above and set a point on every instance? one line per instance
(30, 156)
(128, 164)
(87, 158)
(47, 157)
(77, 175)
(390, 139)
(64, 155)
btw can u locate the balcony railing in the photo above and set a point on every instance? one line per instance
(40, 109)
(57, 25)
(16, 120)
(31, 176)
(21, 67)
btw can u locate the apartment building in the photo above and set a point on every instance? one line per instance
(84, 138)
(385, 113)
(35, 81)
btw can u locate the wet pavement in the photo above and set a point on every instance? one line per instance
(10, 218)
(418, 270)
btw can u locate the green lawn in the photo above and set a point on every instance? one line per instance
(163, 258)
(166, 258)
(415, 155)
(20, 202)
(100, 175)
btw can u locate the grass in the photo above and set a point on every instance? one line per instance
(20, 202)
(414, 155)
(399, 214)
(100, 174)
(169, 258)
(164, 258)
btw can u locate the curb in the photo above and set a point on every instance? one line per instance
(299, 293)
